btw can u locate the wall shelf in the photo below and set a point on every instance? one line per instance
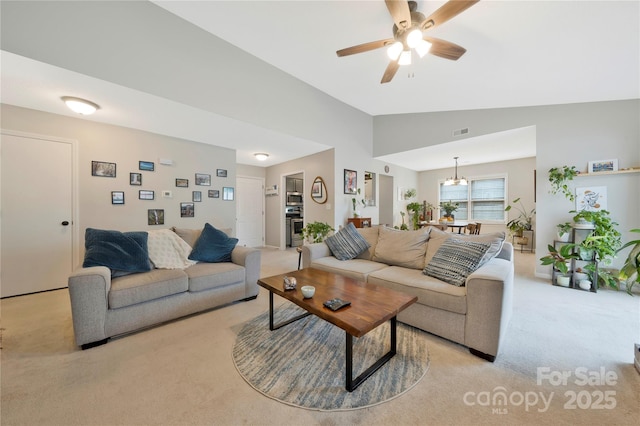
(617, 172)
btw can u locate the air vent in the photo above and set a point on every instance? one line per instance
(461, 132)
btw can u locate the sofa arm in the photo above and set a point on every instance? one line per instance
(311, 252)
(249, 258)
(489, 306)
(88, 291)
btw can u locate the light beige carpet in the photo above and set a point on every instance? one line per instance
(182, 373)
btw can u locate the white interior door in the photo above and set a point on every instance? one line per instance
(36, 190)
(250, 211)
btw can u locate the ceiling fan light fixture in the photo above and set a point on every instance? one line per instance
(80, 106)
(261, 156)
(423, 48)
(394, 51)
(405, 58)
(414, 37)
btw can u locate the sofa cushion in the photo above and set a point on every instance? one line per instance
(437, 237)
(429, 290)
(358, 269)
(371, 235)
(122, 252)
(213, 246)
(138, 288)
(168, 251)
(347, 243)
(401, 248)
(190, 236)
(455, 260)
(205, 276)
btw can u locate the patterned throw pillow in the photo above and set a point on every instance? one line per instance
(455, 260)
(347, 243)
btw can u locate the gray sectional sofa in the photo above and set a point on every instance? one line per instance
(475, 315)
(104, 306)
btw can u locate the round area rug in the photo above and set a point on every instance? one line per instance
(303, 363)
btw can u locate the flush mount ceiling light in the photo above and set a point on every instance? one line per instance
(261, 156)
(454, 180)
(81, 106)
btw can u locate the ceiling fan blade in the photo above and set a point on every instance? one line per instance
(365, 47)
(446, 12)
(445, 49)
(391, 70)
(399, 10)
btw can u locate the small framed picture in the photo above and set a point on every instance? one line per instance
(227, 193)
(182, 183)
(350, 182)
(135, 178)
(187, 210)
(197, 196)
(103, 169)
(203, 180)
(221, 173)
(155, 216)
(146, 195)
(603, 166)
(147, 166)
(214, 193)
(117, 197)
(316, 189)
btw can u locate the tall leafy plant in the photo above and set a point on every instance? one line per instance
(559, 178)
(630, 271)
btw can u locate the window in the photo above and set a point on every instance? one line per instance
(482, 200)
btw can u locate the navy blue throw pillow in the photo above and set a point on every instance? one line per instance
(213, 246)
(122, 252)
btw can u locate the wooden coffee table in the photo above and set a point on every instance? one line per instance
(371, 306)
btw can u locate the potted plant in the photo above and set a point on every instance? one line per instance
(356, 203)
(559, 176)
(414, 210)
(404, 226)
(630, 271)
(563, 230)
(524, 220)
(316, 232)
(449, 207)
(560, 260)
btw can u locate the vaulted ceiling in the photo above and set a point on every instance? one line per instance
(519, 53)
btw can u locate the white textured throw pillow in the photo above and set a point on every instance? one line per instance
(168, 251)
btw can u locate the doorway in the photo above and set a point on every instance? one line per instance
(250, 211)
(37, 233)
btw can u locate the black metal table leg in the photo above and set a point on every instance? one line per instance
(351, 383)
(282, 324)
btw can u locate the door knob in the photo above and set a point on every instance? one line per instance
(65, 223)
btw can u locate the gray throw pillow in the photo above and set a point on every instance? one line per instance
(456, 259)
(347, 243)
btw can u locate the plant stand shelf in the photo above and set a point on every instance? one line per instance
(577, 234)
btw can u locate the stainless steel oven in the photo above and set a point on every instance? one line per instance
(296, 232)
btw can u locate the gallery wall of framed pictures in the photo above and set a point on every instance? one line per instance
(185, 189)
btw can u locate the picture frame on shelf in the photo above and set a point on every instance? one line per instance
(155, 216)
(350, 182)
(182, 183)
(187, 209)
(203, 179)
(221, 173)
(196, 196)
(135, 179)
(603, 166)
(144, 194)
(117, 197)
(147, 166)
(227, 193)
(103, 169)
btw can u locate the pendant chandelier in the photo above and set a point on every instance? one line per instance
(454, 180)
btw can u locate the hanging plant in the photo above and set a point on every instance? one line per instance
(559, 176)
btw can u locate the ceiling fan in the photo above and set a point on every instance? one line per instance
(408, 28)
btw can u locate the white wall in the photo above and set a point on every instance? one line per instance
(125, 147)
